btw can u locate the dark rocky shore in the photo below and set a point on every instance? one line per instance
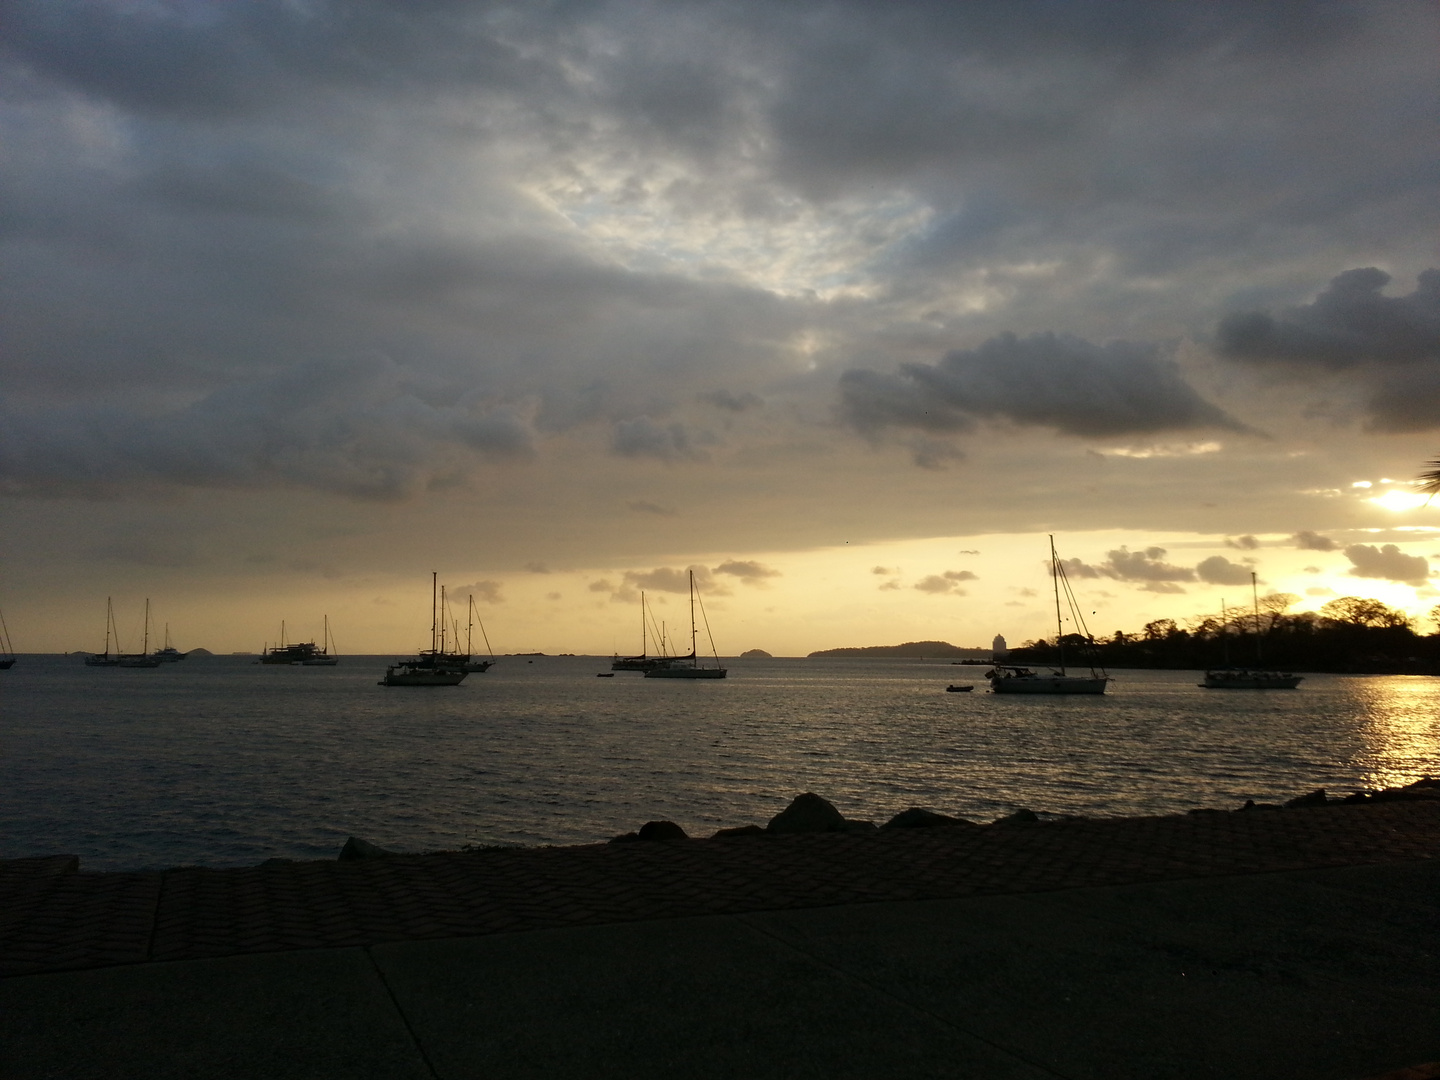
(811, 813)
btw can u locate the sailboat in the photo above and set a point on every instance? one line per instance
(471, 664)
(7, 650)
(296, 653)
(433, 666)
(1230, 678)
(688, 667)
(1009, 679)
(643, 662)
(169, 654)
(105, 659)
(142, 659)
(325, 656)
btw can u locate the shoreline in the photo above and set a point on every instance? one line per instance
(57, 918)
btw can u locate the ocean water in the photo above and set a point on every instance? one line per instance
(222, 762)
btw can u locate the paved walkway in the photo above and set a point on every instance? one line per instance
(1294, 943)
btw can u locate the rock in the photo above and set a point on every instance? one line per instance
(738, 830)
(755, 654)
(1314, 798)
(355, 848)
(808, 813)
(1356, 796)
(625, 838)
(1204, 810)
(859, 826)
(1251, 804)
(919, 818)
(661, 830)
(1019, 817)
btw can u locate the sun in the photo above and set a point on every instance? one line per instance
(1398, 499)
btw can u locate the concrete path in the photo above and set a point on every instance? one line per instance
(1280, 944)
(1321, 975)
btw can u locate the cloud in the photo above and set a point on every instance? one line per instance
(1387, 563)
(939, 585)
(1313, 541)
(671, 580)
(644, 437)
(643, 506)
(600, 585)
(484, 592)
(883, 570)
(1243, 543)
(537, 568)
(1042, 380)
(1392, 343)
(1166, 587)
(724, 399)
(1348, 324)
(1320, 590)
(1147, 565)
(1218, 570)
(748, 571)
(363, 427)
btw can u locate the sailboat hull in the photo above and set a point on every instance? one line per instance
(685, 673)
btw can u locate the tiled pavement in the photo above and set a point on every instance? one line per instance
(54, 918)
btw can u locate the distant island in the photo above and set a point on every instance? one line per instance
(755, 654)
(911, 649)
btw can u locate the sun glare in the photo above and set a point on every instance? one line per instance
(1397, 499)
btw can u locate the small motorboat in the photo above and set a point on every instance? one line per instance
(953, 689)
(604, 674)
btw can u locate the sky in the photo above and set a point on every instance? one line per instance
(845, 306)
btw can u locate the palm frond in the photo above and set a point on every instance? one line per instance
(1429, 480)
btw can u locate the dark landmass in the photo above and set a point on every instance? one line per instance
(1374, 641)
(755, 654)
(199, 652)
(914, 649)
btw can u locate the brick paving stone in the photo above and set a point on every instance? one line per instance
(53, 918)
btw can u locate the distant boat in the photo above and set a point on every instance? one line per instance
(7, 650)
(105, 659)
(433, 666)
(328, 656)
(953, 689)
(471, 664)
(142, 659)
(1010, 679)
(688, 667)
(1230, 678)
(169, 654)
(643, 662)
(1246, 679)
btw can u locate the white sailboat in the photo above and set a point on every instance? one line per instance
(688, 667)
(325, 656)
(471, 664)
(105, 659)
(1011, 679)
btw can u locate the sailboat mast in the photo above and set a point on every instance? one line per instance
(644, 644)
(109, 621)
(1255, 602)
(694, 652)
(1055, 581)
(145, 636)
(434, 605)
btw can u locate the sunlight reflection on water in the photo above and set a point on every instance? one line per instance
(221, 762)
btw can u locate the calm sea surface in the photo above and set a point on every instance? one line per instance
(222, 762)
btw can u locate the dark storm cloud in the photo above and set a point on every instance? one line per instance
(1047, 380)
(196, 196)
(363, 427)
(1388, 563)
(1391, 343)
